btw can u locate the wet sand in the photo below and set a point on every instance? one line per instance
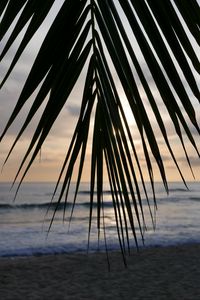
(154, 273)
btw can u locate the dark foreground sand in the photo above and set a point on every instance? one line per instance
(156, 273)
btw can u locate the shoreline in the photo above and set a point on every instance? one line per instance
(102, 251)
(171, 272)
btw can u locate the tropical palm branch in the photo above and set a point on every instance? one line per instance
(91, 34)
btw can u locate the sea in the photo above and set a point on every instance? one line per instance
(26, 228)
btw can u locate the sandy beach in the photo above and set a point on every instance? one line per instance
(154, 273)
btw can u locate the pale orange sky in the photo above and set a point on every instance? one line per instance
(54, 150)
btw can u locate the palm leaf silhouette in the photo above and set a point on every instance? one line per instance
(91, 34)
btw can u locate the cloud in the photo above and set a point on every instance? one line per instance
(194, 160)
(57, 143)
(73, 110)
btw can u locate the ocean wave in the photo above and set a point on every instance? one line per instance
(87, 192)
(195, 199)
(51, 205)
(58, 249)
(178, 190)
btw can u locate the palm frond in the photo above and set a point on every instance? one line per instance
(90, 34)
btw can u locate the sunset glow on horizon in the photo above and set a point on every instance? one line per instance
(47, 167)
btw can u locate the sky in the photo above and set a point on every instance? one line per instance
(53, 152)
